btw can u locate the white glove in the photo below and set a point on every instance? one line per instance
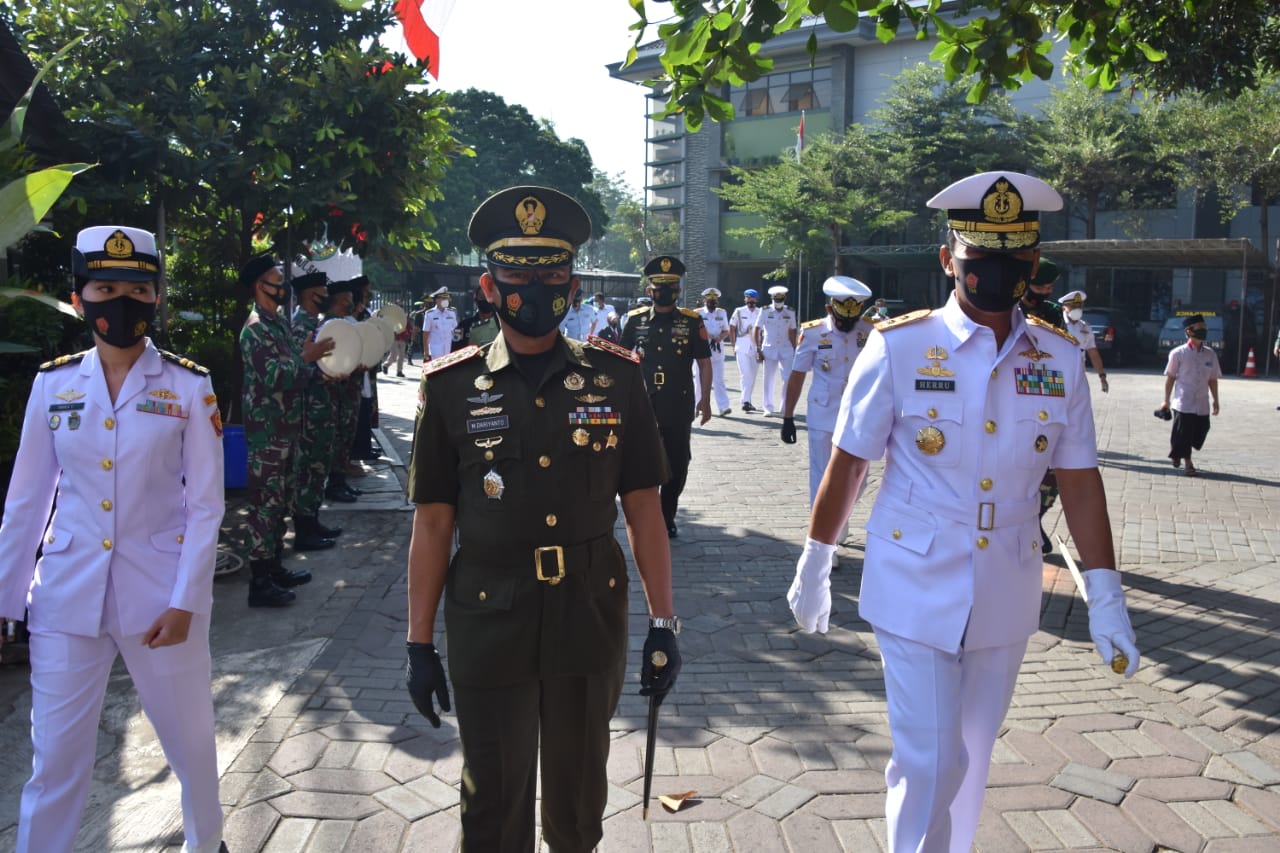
(810, 593)
(1109, 618)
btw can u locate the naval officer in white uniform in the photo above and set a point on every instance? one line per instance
(716, 321)
(776, 344)
(127, 440)
(743, 324)
(968, 404)
(828, 348)
(439, 326)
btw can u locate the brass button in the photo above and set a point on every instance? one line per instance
(483, 597)
(933, 413)
(551, 519)
(539, 402)
(50, 538)
(612, 583)
(106, 504)
(106, 544)
(109, 423)
(986, 484)
(1035, 546)
(107, 464)
(982, 542)
(994, 371)
(1044, 416)
(488, 456)
(897, 534)
(991, 426)
(544, 461)
(181, 538)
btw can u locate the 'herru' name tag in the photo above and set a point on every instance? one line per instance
(935, 385)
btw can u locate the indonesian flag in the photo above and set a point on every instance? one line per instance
(422, 40)
(800, 137)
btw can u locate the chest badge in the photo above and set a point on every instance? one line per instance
(69, 396)
(1035, 354)
(602, 380)
(590, 398)
(580, 437)
(73, 420)
(611, 441)
(484, 383)
(575, 382)
(55, 421)
(493, 485)
(163, 394)
(930, 440)
(937, 355)
(487, 443)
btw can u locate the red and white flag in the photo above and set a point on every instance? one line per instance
(422, 40)
(800, 137)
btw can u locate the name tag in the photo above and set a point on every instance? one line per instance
(475, 425)
(935, 385)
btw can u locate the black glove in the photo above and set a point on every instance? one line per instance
(425, 675)
(788, 430)
(658, 682)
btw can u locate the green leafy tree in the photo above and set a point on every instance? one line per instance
(707, 46)
(505, 145)
(621, 245)
(810, 207)
(1096, 150)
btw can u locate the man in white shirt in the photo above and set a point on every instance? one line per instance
(742, 326)
(1190, 378)
(776, 343)
(579, 321)
(716, 322)
(438, 326)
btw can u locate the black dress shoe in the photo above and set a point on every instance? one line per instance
(312, 541)
(284, 578)
(671, 531)
(1046, 544)
(263, 592)
(342, 495)
(747, 407)
(324, 530)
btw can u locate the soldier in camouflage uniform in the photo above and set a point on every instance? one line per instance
(315, 446)
(274, 382)
(346, 401)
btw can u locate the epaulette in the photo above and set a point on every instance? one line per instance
(62, 360)
(902, 319)
(812, 323)
(597, 342)
(1036, 321)
(643, 309)
(689, 312)
(455, 357)
(183, 361)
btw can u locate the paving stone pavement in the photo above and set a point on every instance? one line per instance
(784, 735)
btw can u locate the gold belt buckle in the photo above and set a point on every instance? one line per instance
(537, 563)
(659, 378)
(986, 516)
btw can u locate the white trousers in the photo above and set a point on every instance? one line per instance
(945, 711)
(777, 366)
(745, 354)
(68, 682)
(819, 456)
(718, 392)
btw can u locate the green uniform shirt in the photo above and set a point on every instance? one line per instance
(532, 466)
(668, 344)
(275, 378)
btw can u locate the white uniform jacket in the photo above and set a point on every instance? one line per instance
(829, 353)
(774, 324)
(439, 326)
(953, 551)
(744, 324)
(139, 493)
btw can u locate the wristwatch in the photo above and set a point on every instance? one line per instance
(672, 624)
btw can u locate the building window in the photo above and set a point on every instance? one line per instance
(801, 96)
(755, 102)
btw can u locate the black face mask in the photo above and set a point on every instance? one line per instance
(1034, 299)
(844, 324)
(994, 283)
(751, 305)
(534, 309)
(483, 306)
(1200, 334)
(121, 321)
(711, 304)
(665, 296)
(278, 296)
(322, 304)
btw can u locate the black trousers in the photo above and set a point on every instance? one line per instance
(500, 728)
(1188, 431)
(676, 440)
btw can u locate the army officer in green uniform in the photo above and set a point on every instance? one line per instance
(669, 340)
(523, 445)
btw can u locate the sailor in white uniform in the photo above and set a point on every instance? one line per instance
(1073, 312)
(716, 321)
(968, 404)
(828, 348)
(743, 326)
(776, 342)
(439, 326)
(126, 439)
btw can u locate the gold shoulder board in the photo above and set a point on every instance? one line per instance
(1041, 324)
(902, 319)
(641, 310)
(596, 342)
(810, 324)
(62, 360)
(689, 312)
(438, 364)
(181, 361)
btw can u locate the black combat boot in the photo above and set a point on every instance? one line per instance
(323, 530)
(307, 536)
(263, 591)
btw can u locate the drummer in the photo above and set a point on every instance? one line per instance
(310, 290)
(274, 383)
(346, 397)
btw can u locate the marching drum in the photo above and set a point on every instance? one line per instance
(347, 348)
(395, 315)
(371, 348)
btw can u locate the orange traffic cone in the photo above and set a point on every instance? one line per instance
(1250, 368)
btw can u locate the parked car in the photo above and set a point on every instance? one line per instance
(1223, 330)
(1115, 334)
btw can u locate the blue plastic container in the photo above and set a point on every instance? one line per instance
(235, 457)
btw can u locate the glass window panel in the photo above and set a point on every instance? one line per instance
(663, 151)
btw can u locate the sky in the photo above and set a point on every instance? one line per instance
(549, 56)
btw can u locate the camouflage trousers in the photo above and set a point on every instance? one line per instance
(346, 415)
(315, 450)
(1048, 491)
(271, 491)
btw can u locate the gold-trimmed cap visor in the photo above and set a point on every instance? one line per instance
(115, 253)
(997, 211)
(528, 226)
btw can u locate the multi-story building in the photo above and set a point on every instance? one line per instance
(843, 84)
